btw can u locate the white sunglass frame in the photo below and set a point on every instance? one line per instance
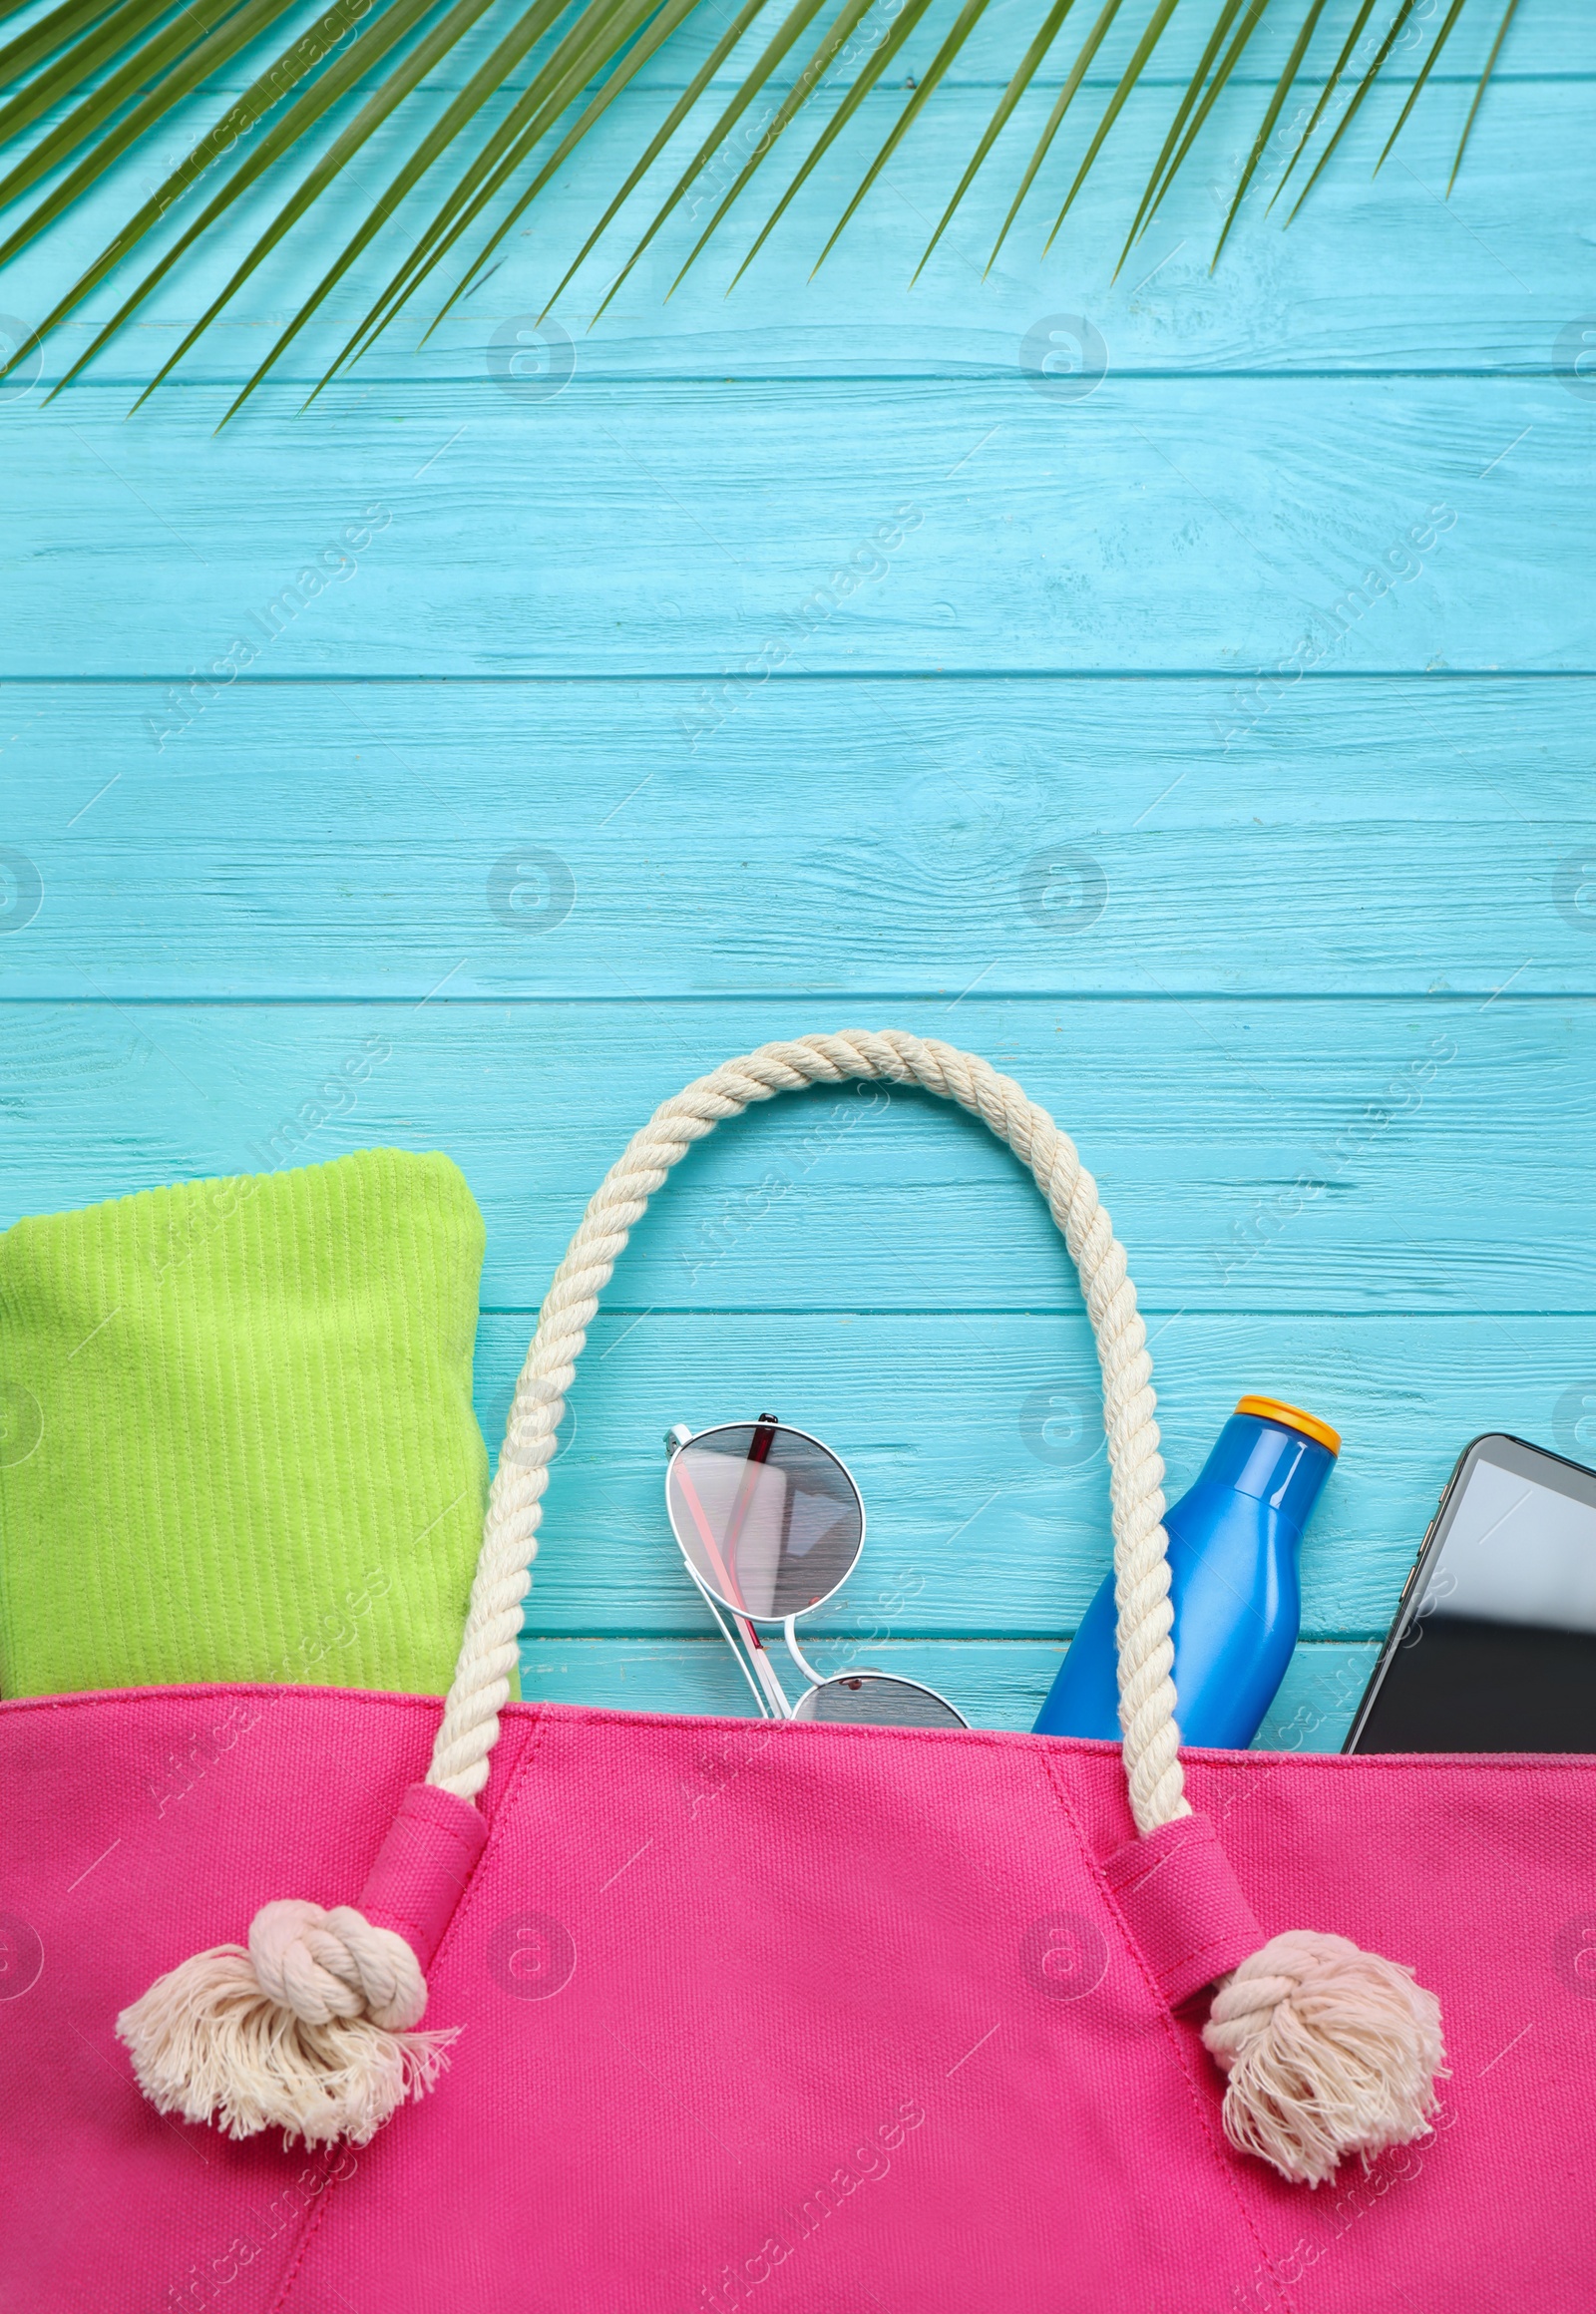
(767, 1689)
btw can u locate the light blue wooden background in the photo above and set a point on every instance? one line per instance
(1346, 931)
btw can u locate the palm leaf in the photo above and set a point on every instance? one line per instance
(246, 24)
(962, 25)
(103, 41)
(1025, 73)
(1357, 98)
(1365, 10)
(824, 56)
(400, 18)
(237, 121)
(84, 86)
(1423, 75)
(566, 72)
(1211, 95)
(42, 39)
(469, 193)
(401, 81)
(797, 21)
(908, 19)
(1164, 171)
(1479, 93)
(576, 72)
(1111, 111)
(1265, 128)
(732, 37)
(481, 85)
(1065, 98)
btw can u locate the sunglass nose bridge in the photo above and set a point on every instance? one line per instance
(677, 1436)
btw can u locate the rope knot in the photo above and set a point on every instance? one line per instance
(323, 1965)
(1328, 2050)
(303, 2031)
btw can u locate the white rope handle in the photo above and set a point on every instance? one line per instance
(1327, 2050)
(488, 1652)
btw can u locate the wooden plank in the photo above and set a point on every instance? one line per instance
(1158, 525)
(1373, 275)
(977, 1444)
(1554, 39)
(1321, 1196)
(1273, 1156)
(994, 1683)
(1249, 839)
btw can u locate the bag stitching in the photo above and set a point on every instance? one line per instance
(1139, 1859)
(996, 1738)
(1139, 1960)
(1050, 1750)
(314, 2216)
(543, 1716)
(468, 1893)
(313, 2219)
(1126, 1871)
(529, 1752)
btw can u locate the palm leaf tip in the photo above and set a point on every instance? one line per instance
(86, 84)
(1480, 94)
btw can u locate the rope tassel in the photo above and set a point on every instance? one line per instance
(1328, 2049)
(304, 2031)
(307, 2029)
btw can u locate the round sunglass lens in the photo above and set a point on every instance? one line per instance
(771, 1522)
(875, 1699)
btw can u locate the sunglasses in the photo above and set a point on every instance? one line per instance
(771, 1526)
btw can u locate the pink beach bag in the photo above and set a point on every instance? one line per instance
(752, 2018)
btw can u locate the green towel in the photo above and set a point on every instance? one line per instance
(236, 1439)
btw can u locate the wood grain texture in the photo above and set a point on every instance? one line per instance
(994, 1683)
(1487, 279)
(1276, 1157)
(577, 783)
(977, 1444)
(1407, 838)
(1156, 526)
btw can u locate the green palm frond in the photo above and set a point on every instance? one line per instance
(86, 84)
(1192, 111)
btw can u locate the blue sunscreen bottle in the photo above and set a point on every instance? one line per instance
(1233, 1586)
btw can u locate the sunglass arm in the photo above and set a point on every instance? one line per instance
(751, 1658)
(781, 1708)
(815, 1678)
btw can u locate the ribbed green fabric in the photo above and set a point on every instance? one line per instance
(236, 1439)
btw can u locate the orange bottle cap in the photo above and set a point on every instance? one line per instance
(1276, 1410)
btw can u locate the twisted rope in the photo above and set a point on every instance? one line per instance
(1141, 1567)
(323, 1965)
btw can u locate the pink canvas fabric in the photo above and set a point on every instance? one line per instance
(1183, 1906)
(764, 2019)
